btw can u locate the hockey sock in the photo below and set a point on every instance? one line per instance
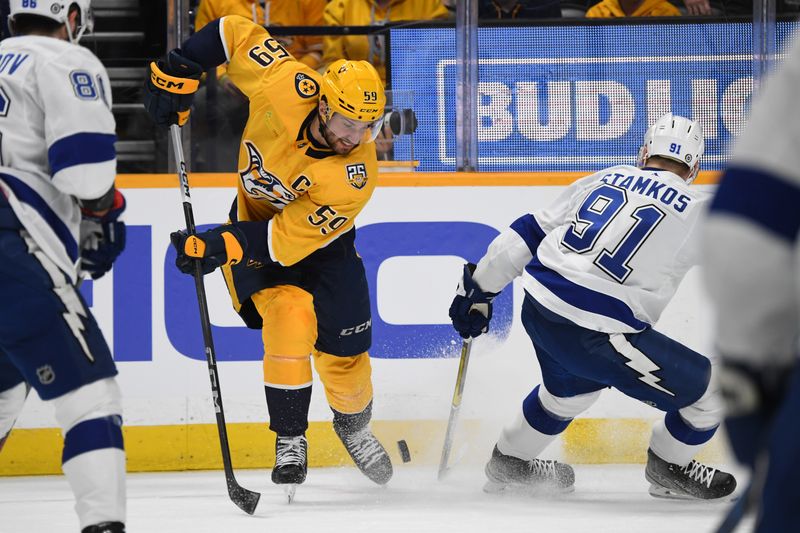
(94, 458)
(675, 441)
(288, 410)
(543, 417)
(94, 463)
(11, 402)
(532, 430)
(351, 423)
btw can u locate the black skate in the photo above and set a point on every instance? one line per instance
(291, 463)
(537, 476)
(105, 527)
(694, 481)
(366, 451)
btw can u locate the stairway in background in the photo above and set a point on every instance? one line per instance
(127, 34)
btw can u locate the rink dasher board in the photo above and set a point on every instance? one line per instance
(148, 315)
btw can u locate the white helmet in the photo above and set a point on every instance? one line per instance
(57, 10)
(676, 138)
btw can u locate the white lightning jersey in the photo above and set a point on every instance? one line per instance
(752, 237)
(56, 138)
(609, 254)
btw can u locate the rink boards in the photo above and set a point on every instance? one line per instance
(414, 236)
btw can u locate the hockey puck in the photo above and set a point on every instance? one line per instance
(405, 454)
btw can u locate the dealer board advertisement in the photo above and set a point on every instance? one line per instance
(414, 241)
(576, 97)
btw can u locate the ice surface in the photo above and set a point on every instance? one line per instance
(609, 498)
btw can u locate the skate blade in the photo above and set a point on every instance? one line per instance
(657, 491)
(490, 487)
(289, 489)
(497, 487)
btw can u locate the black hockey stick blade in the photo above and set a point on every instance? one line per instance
(246, 500)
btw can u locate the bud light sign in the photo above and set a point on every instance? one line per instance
(577, 98)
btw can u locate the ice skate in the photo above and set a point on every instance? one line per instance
(291, 463)
(367, 452)
(369, 455)
(505, 472)
(694, 481)
(105, 527)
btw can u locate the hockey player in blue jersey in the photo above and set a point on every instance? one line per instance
(59, 217)
(752, 260)
(598, 267)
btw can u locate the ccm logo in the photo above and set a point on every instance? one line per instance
(358, 329)
(167, 84)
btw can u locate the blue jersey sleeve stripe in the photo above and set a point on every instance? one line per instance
(81, 149)
(584, 298)
(529, 229)
(762, 198)
(206, 47)
(27, 195)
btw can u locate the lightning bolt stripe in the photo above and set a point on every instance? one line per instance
(638, 361)
(27, 195)
(74, 312)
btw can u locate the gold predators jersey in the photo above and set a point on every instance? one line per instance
(309, 194)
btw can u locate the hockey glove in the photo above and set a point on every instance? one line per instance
(170, 87)
(471, 309)
(102, 238)
(223, 245)
(752, 398)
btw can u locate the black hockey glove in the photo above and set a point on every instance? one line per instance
(223, 245)
(752, 398)
(170, 87)
(102, 238)
(471, 309)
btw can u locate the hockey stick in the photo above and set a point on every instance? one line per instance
(455, 406)
(736, 513)
(750, 499)
(246, 500)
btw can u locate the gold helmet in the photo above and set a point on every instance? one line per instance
(353, 89)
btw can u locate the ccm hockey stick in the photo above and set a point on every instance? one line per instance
(246, 500)
(455, 406)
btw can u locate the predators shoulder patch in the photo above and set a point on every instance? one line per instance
(305, 85)
(357, 175)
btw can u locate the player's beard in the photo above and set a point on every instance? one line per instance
(337, 144)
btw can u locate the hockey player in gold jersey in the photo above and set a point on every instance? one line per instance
(307, 167)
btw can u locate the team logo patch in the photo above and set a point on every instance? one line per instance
(261, 184)
(45, 374)
(357, 175)
(306, 86)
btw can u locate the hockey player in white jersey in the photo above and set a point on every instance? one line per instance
(59, 214)
(752, 260)
(598, 267)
